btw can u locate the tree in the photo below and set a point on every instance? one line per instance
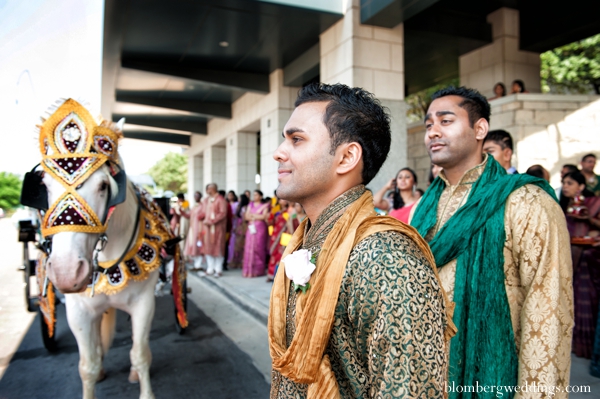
(419, 102)
(573, 68)
(170, 173)
(10, 190)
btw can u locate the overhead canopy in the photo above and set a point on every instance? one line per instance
(171, 66)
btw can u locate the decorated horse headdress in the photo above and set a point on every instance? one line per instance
(73, 146)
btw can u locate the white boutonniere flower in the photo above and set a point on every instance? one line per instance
(299, 266)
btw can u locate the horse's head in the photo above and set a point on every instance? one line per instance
(82, 181)
(70, 263)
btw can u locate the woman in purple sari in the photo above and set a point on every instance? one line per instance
(240, 225)
(257, 235)
(583, 223)
(233, 203)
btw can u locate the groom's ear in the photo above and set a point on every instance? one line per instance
(348, 157)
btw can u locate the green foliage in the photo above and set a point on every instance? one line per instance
(10, 190)
(170, 173)
(573, 68)
(419, 102)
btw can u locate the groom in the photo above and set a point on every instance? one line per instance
(371, 321)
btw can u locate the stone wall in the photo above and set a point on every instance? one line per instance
(547, 129)
(418, 158)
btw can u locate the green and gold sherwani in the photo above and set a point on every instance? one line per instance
(537, 277)
(387, 339)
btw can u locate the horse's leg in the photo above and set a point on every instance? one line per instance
(85, 325)
(142, 312)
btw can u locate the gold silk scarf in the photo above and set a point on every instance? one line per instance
(305, 362)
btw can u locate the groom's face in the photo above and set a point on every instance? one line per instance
(306, 168)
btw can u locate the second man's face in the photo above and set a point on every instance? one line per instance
(305, 163)
(449, 137)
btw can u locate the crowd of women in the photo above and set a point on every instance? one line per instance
(257, 231)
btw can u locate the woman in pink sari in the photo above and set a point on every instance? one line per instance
(404, 187)
(257, 235)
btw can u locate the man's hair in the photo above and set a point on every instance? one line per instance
(571, 167)
(222, 193)
(500, 137)
(536, 170)
(474, 103)
(212, 184)
(586, 156)
(353, 115)
(181, 196)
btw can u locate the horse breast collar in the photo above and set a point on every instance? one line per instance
(141, 258)
(74, 146)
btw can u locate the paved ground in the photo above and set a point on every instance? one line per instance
(202, 363)
(14, 319)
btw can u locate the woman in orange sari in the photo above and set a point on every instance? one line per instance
(284, 222)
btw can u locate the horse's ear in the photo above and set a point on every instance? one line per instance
(121, 180)
(120, 124)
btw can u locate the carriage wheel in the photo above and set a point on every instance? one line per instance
(49, 342)
(178, 327)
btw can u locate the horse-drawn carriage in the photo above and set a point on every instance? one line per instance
(104, 242)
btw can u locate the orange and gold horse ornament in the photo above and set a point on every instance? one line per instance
(106, 236)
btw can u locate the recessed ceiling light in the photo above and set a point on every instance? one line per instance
(224, 44)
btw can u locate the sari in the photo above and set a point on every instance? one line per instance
(586, 282)
(255, 248)
(280, 225)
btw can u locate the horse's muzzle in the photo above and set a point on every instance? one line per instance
(69, 277)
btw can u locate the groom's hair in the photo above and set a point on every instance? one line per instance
(353, 115)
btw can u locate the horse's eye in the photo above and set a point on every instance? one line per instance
(103, 186)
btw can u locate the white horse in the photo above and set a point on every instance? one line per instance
(69, 268)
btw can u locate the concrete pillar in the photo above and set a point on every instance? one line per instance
(272, 121)
(502, 60)
(241, 161)
(372, 58)
(214, 166)
(195, 174)
(271, 126)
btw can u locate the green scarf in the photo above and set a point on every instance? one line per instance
(483, 351)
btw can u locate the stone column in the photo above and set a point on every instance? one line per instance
(502, 60)
(241, 161)
(214, 166)
(195, 175)
(372, 58)
(281, 106)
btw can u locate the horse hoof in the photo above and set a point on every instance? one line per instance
(101, 376)
(134, 378)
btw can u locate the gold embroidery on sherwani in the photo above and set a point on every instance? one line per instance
(371, 339)
(538, 279)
